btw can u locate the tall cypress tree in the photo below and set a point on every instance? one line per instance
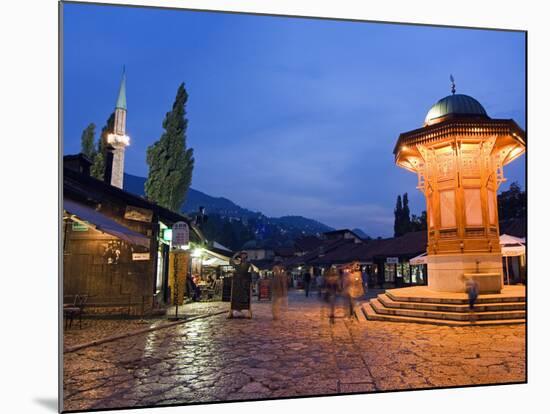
(87, 142)
(398, 217)
(98, 166)
(406, 221)
(170, 162)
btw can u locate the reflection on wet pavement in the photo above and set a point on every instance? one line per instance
(216, 359)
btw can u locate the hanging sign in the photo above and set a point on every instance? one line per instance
(392, 260)
(180, 234)
(138, 214)
(141, 256)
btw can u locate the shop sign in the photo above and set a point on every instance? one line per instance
(80, 226)
(138, 214)
(392, 260)
(180, 233)
(141, 256)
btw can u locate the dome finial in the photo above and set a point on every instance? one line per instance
(453, 86)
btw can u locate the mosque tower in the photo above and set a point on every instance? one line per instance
(118, 140)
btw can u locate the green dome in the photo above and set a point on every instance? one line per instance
(461, 105)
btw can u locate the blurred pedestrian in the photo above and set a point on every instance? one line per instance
(319, 282)
(472, 289)
(352, 287)
(307, 282)
(365, 278)
(332, 283)
(279, 290)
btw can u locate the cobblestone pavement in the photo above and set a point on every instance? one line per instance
(97, 328)
(215, 359)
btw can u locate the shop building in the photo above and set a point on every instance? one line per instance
(116, 245)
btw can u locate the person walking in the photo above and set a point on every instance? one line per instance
(352, 287)
(279, 291)
(472, 289)
(319, 283)
(332, 282)
(307, 282)
(240, 285)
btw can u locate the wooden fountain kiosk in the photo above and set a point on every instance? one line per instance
(459, 156)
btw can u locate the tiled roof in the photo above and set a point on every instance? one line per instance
(307, 243)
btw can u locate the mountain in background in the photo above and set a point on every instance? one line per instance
(233, 225)
(194, 199)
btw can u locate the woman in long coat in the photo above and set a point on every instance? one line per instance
(240, 285)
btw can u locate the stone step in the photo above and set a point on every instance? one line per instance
(388, 302)
(405, 295)
(456, 316)
(371, 315)
(358, 310)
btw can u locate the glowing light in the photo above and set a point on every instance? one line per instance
(115, 139)
(197, 252)
(167, 234)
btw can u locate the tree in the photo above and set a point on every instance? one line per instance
(398, 217)
(170, 162)
(403, 222)
(87, 142)
(406, 215)
(419, 222)
(98, 166)
(512, 203)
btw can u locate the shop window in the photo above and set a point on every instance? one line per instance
(406, 272)
(418, 276)
(389, 272)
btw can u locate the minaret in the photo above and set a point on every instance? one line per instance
(118, 140)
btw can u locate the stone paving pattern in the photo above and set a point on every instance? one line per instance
(97, 328)
(215, 359)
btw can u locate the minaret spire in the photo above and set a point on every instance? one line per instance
(121, 100)
(118, 140)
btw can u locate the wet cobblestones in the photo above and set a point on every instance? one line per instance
(215, 359)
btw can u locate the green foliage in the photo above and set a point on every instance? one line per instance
(98, 167)
(512, 203)
(419, 222)
(170, 162)
(87, 142)
(230, 233)
(398, 217)
(406, 218)
(403, 223)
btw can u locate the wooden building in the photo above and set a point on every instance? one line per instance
(115, 244)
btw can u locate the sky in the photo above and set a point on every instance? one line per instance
(287, 116)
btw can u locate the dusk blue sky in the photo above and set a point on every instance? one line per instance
(287, 116)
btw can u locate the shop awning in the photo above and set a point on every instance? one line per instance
(421, 259)
(214, 259)
(105, 224)
(511, 246)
